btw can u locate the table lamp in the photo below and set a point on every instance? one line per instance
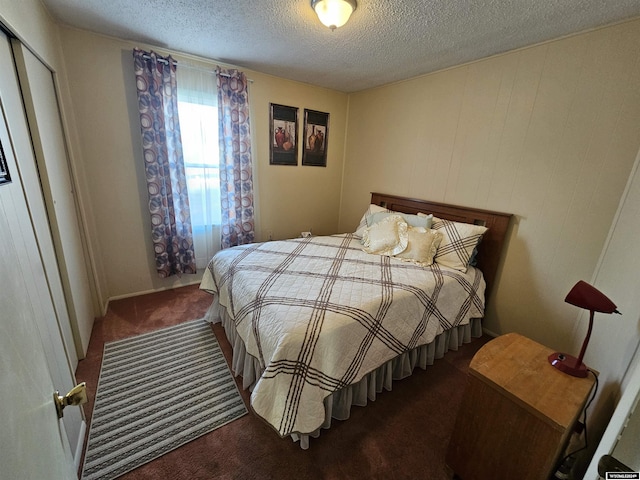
(588, 297)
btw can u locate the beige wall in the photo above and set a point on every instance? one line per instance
(32, 24)
(289, 199)
(548, 133)
(296, 199)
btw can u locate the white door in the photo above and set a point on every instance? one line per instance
(60, 353)
(30, 177)
(33, 359)
(47, 136)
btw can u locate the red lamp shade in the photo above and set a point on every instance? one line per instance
(584, 296)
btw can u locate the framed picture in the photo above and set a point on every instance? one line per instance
(4, 170)
(284, 135)
(316, 135)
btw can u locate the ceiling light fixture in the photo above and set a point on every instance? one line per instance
(334, 13)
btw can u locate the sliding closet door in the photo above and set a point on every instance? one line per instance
(37, 210)
(33, 363)
(59, 338)
(48, 138)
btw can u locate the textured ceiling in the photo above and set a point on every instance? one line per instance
(384, 41)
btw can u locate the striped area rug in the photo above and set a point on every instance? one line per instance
(158, 391)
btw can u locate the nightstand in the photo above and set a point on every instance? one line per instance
(517, 412)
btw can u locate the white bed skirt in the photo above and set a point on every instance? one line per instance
(338, 405)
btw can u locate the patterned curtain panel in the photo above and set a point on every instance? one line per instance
(164, 164)
(236, 178)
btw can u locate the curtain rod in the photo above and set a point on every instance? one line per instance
(185, 65)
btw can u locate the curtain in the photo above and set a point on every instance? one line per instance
(164, 168)
(236, 178)
(198, 108)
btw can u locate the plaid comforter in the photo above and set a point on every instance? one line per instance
(319, 314)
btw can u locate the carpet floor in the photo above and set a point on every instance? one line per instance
(158, 391)
(402, 435)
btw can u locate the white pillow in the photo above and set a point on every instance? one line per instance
(458, 242)
(363, 221)
(419, 220)
(422, 246)
(387, 237)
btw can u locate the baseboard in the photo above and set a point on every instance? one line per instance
(153, 290)
(489, 332)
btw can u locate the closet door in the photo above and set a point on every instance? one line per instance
(48, 138)
(33, 363)
(47, 285)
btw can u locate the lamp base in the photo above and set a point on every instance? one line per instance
(568, 364)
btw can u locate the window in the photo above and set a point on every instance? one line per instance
(198, 113)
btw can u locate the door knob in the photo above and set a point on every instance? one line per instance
(76, 396)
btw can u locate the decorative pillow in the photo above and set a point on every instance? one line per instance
(387, 237)
(422, 246)
(458, 242)
(363, 221)
(412, 220)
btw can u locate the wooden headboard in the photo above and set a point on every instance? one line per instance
(489, 250)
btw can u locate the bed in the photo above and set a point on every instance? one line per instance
(320, 324)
